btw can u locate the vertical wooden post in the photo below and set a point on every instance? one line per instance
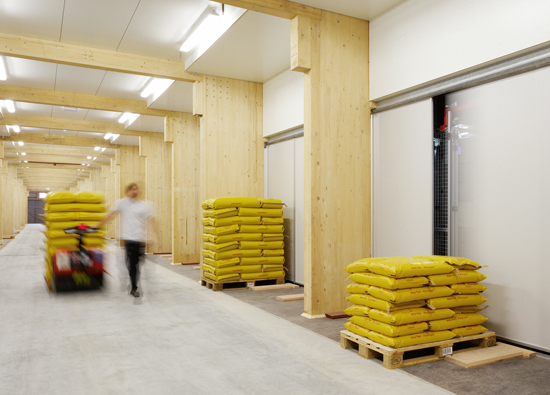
(300, 43)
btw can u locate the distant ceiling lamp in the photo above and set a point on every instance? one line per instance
(97, 148)
(83, 164)
(103, 149)
(26, 161)
(21, 143)
(72, 109)
(156, 87)
(94, 158)
(23, 153)
(88, 157)
(10, 106)
(128, 118)
(88, 164)
(3, 72)
(16, 128)
(115, 136)
(108, 136)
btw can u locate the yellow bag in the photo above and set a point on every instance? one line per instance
(358, 288)
(469, 330)
(239, 237)
(264, 245)
(469, 288)
(56, 208)
(93, 241)
(231, 220)
(263, 275)
(272, 221)
(222, 263)
(455, 261)
(458, 320)
(410, 340)
(277, 252)
(63, 242)
(222, 213)
(90, 197)
(208, 268)
(362, 265)
(272, 268)
(61, 217)
(388, 282)
(411, 294)
(209, 238)
(408, 267)
(52, 250)
(467, 309)
(260, 212)
(262, 228)
(238, 269)
(375, 303)
(60, 197)
(227, 202)
(358, 330)
(267, 260)
(389, 330)
(455, 301)
(356, 309)
(84, 216)
(221, 230)
(275, 237)
(465, 276)
(221, 247)
(272, 203)
(224, 278)
(72, 224)
(409, 316)
(218, 256)
(56, 234)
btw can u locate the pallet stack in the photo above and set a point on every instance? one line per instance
(242, 239)
(66, 210)
(401, 301)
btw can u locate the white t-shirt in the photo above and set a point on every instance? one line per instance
(135, 213)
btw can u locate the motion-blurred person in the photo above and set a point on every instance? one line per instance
(136, 215)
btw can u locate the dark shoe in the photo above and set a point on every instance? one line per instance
(135, 293)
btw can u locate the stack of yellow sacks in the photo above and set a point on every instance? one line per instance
(242, 239)
(66, 210)
(401, 301)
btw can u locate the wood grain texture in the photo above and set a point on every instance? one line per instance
(281, 8)
(337, 159)
(300, 44)
(8, 187)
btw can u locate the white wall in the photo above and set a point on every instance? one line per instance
(283, 102)
(423, 40)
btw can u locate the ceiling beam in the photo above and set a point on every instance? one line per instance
(103, 59)
(281, 8)
(80, 152)
(54, 139)
(51, 167)
(50, 172)
(70, 124)
(51, 158)
(79, 100)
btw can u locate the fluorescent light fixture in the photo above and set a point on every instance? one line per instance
(88, 157)
(23, 153)
(21, 143)
(103, 149)
(10, 106)
(114, 137)
(16, 128)
(107, 136)
(3, 72)
(95, 157)
(206, 33)
(26, 161)
(83, 164)
(128, 118)
(156, 86)
(97, 148)
(13, 143)
(88, 164)
(27, 166)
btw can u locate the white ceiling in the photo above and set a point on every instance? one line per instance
(362, 9)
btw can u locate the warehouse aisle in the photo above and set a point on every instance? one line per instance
(180, 338)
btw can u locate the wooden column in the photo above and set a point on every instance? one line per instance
(8, 175)
(337, 154)
(132, 168)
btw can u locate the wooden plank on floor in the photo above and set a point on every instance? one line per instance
(337, 315)
(196, 268)
(485, 356)
(272, 287)
(166, 256)
(288, 298)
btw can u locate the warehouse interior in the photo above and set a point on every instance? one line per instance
(339, 109)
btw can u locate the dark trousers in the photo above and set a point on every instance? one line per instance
(134, 252)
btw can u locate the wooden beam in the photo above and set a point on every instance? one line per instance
(300, 49)
(281, 8)
(79, 100)
(51, 172)
(51, 167)
(54, 139)
(80, 152)
(198, 98)
(103, 59)
(50, 158)
(69, 124)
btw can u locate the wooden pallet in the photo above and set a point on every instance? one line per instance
(231, 285)
(401, 357)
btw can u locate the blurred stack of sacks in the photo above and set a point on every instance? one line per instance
(66, 210)
(402, 301)
(242, 239)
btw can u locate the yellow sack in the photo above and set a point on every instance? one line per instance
(272, 203)
(227, 202)
(469, 330)
(60, 197)
(356, 309)
(260, 212)
(361, 265)
(56, 208)
(231, 254)
(388, 282)
(277, 252)
(375, 303)
(239, 237)
(208, 268)
(224, 278)
(222, 263)
(455, 301)
(469, 288)
(457, 321)
(262, 228)
(84, 216)
(52, 250)
(409, 316)
(231, 220)
(358, 330)
(61, 217)
(57, 233)
(208, 237)
(267, 260)
(272, 268)
(93, 241)
(221, 230)
(222, 213)
(63, 242)
(390, 330)
(410, 340)
(455, 261)
(264, 245)
(273, 221)
(263, 275)
(275, 237)
(221, 247)
(65, 225)
(465, 276)
(238, 269)
(467, 309)
(90, 197)
(411, 294)
(408, 267)
(358, 288)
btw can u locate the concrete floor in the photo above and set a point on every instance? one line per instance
(178, 338)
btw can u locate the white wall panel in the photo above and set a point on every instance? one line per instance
(403, 181)
(283, 102)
